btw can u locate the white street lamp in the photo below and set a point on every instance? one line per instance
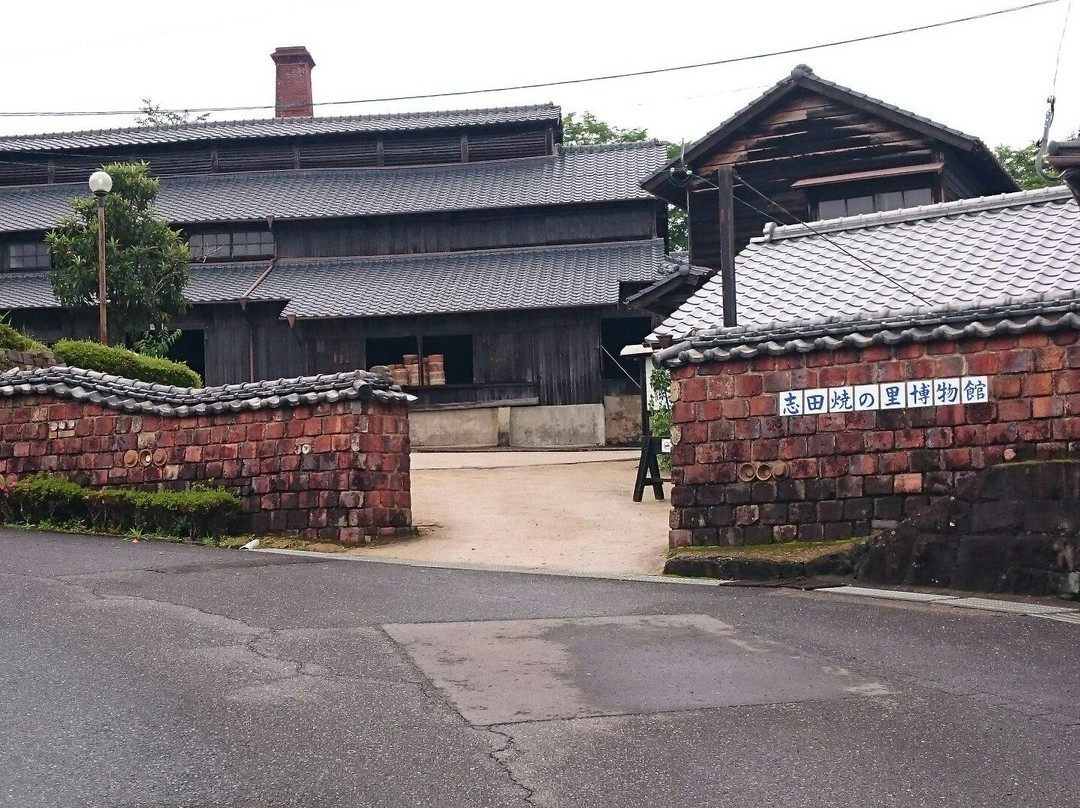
(100, 184)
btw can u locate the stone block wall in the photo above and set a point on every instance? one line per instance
(324, 457)
(822, 477)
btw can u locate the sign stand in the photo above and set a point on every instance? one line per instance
(648, 472)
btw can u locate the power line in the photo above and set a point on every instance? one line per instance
(568, 82)
(691, 176)
(825, 238)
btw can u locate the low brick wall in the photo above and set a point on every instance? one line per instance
(324, 457)
(849, 473)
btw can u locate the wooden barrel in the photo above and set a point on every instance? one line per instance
(413, 373)
(399, 374)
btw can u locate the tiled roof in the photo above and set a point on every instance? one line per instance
(576, 175)
(486, 280)
(802, 76)
(277, 127)
(967, 253)
(482, 280)
(129, 395)
(1040, 313)
(210, 283)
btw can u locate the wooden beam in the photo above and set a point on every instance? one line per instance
(725, 179)
(899, 171)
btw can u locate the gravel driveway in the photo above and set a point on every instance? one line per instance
(541, 510)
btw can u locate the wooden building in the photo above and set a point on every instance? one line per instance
(330, 244)
(806, 150)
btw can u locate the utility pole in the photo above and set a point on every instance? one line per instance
(725, 184)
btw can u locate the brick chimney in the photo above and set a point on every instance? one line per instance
(293, 87)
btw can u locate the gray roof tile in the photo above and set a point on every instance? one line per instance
(1040, 313)
(966, 253)
(488, 280)
(210, 283)
(277, 127)
(576, 175)
(129, 395)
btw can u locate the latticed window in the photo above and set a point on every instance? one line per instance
(223, 246)
(30, 255)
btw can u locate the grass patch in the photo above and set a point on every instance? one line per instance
(288, 543)
(794, 551)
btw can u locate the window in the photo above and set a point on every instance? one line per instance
(873, 203)
(411, 356)
(223, 246)
(32, 255)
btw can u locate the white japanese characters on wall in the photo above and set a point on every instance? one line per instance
(885, 396)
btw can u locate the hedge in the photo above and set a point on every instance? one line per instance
(12, 340)
(122, 362)
(200, 511)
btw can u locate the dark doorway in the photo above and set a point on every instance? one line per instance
(615, 334)
(190, 348)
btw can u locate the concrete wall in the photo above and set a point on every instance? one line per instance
(622, 420)
(466, 429)
(569, 425)
(534, 427)
(848, 473)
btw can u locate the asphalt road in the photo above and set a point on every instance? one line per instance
(165, 676)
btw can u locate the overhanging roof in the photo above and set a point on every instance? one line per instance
(276, 128)
(389, 286)
(802, 77)
(475, 281)
(961, 254)
(576, 175)
(1065, 157)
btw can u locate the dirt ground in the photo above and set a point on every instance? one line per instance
(541, 510)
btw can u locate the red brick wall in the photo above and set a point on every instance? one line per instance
(351, 481)
(846, 474)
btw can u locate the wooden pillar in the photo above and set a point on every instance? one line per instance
(725, 181)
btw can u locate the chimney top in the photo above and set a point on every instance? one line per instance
(293, 82)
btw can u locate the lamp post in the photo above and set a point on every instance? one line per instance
(101, 184)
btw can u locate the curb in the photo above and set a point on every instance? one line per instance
(466, 567)
(1063, 614)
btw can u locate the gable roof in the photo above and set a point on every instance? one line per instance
(580, 174)
(802, 77)
(278, 127)
(967, 253)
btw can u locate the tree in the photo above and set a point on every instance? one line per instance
(1020, 163)
(591, 131)
(154, 115)
(146, 260)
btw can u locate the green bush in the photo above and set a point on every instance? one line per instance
(122, 362)
(200, 511)
(44, 497)
(12, 340)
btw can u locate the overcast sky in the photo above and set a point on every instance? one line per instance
(989, 78)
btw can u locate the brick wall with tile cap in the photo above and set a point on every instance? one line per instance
(822, 477)
(324, 457)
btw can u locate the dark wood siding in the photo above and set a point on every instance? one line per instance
(347, 150)
(809, 136)
(394, 235)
